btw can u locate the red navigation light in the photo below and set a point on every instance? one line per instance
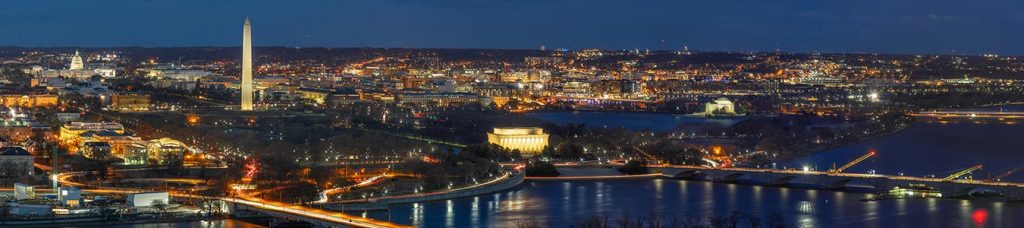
(979, 216)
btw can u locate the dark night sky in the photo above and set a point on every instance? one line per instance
(886, 26)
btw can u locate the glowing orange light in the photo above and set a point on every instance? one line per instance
(192, 119)
(717, 150)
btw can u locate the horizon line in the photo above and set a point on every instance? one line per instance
(516, 49)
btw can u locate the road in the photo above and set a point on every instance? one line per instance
(854, 175)
(970, 114)
(254, 202)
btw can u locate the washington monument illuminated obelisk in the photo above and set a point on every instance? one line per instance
(246, 67)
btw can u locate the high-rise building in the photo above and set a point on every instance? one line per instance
(246, 67)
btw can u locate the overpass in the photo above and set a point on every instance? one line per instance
(838, 180)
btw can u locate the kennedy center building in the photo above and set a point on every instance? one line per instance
(246, 67)
(529, 141)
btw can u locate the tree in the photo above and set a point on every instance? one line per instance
(159, 205)
(5, 210)
(541, 169)
(175, 165)
(634, 167)
(210, 207)
(104, 208)
(570, 151)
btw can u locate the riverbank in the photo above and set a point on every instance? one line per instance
(100, 221)
(508, 181)
(859, 140)
(598, 178)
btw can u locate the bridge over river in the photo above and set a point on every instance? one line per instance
(969, 114)
(839, 181)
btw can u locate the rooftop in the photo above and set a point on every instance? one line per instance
(14, 151)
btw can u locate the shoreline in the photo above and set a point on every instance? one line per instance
(99, 222)
(805, 154)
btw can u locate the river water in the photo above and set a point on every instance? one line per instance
(926, 148)
(563, 204)
(223, 223)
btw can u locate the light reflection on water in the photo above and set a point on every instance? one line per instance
(225, 223)
(926, 148)
(562, 204)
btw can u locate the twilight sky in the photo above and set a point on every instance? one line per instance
(885, 26)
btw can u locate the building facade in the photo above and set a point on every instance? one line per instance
(529, 140)
(165, 150)
(28, 100)
(15, 162)
(720, 106)
(130, 102)
(70, 134)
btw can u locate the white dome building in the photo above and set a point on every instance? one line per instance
(719, 107)
(76, 62)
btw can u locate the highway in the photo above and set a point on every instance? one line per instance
(253, 202)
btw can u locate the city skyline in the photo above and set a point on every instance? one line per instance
(943, 27)
(494, 113)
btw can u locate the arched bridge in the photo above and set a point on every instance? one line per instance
(836, 180)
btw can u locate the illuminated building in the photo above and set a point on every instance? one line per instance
(130, 102)
(499, 93)
(118, 141)
(542, 60)
(70, 134)
(28, 100)
(15, 160)
(317, 96)
(66, 117)
(96, 150)
(187, 75)
(76, 62)
(146, 199)
(69, 196)
(78, 70)
(19, 127)
(528, 140)
(164, 150)
(136, 153)
(720, 106)
(246, 66)
(443, 99)
(576, 89)
(821, 80)
(24, 191)
(176, 78)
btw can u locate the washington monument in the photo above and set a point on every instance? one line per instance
(246, 67)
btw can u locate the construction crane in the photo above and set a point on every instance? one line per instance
(962, 172)
(646, 155)
(1007, 173)
(854, 162)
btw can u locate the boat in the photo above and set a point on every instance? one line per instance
(907, 192)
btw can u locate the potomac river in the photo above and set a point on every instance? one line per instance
(926, 148)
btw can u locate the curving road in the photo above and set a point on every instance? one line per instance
(253, 202)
